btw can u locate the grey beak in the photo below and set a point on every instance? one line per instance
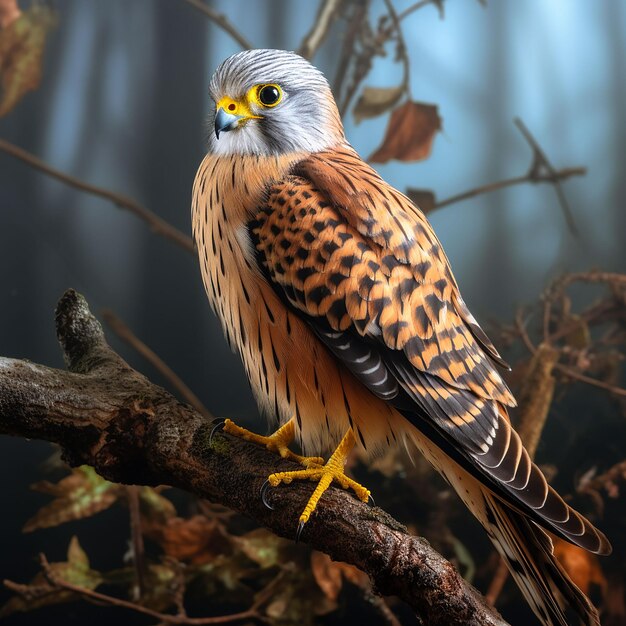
(225, 121)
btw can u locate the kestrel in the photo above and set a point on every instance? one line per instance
(337, 294)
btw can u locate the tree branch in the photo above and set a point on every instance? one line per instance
(105, 414)
(326, 15)
(221, 21)
(158, 225)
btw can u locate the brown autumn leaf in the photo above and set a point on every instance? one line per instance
(410, 133)
(81, 494)
(21, 54)
(9, 12)
(196, 540)
(330, 575)
(582, 566)
(423, 198)
(375, 101)
(39, 592)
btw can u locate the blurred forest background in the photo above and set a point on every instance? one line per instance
(123, 105)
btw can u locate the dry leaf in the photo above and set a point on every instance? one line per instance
(196, 540)
(410, 133)
(582, 566)
(155, 509)
(39, 592)
(81, 494)
(330, 575)
(9, 12)
(297, 601)
(21, 54)
(263, 547)
(423, 198)
(375, 101)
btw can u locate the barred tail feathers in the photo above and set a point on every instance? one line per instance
(525, 547)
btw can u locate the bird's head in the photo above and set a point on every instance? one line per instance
(272, 102)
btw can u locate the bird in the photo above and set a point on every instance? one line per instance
(341, 302)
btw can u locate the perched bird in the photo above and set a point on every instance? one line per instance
(338, 296)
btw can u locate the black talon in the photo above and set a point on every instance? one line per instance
(299, 532)
(218, 424)
(264, 487)
(370, 499)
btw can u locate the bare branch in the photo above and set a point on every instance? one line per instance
(541, 164)
(127, 336)
(157, 224)
(530, 177)
(221, 21)
(326, 15)
(165, 618)
(105, 414)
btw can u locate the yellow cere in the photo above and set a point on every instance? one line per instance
(236, 107)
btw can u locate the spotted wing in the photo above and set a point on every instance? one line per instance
(362, 265)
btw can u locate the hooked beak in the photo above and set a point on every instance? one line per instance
(225, 121)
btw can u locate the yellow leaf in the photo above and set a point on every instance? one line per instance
(21, 54)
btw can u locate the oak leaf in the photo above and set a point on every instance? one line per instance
(410, 133)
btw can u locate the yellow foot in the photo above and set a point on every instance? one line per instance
(277, 442)
(324, 476)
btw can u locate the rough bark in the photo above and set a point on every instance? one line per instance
(107, 415)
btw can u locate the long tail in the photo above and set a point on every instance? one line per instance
(526, 548)
(529, 555)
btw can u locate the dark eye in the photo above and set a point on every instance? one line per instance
(269, 95)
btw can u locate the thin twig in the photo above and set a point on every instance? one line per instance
(132, 492)
(158, 225)
(402, 49)
(221, 21)
(551, 178)
(541, 162)
(326, 15)
(419, 5)
(96, 597)
(347, 52)
(568, 371)
(127, 336)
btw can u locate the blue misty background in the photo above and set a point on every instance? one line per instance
(123, 104)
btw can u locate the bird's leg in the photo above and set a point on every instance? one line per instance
(324, 476)
(277, 442)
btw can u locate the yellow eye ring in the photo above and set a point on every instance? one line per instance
(266, 95)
